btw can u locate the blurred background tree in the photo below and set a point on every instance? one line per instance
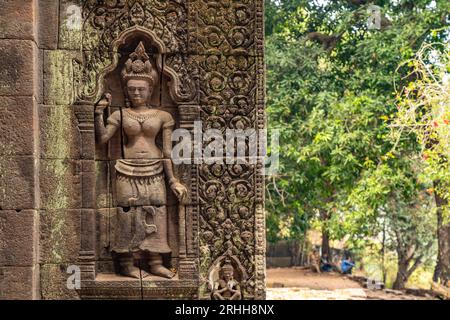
(334, 91)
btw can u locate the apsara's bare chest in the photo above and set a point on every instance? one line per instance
(135, 124)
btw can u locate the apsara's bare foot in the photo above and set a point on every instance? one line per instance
(129, 270)
(160, 270)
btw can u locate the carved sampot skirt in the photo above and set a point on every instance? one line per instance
(141, 221)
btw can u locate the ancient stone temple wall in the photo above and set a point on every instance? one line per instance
(60, 207)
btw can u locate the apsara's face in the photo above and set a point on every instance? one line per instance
(139, 91)
(228, 275)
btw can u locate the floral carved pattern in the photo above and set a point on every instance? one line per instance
(228, 80)
(227, 38)
(227, 92)
(225, 26)
(227, 221)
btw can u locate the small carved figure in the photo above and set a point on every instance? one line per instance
(227, 288)
(141, 174)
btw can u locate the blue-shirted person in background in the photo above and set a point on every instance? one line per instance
(325, 263)
(347, 265)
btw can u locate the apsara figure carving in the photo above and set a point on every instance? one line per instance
(142, 173)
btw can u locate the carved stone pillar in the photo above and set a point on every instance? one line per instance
(85, 117)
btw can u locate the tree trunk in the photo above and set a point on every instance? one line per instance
(326, 243)
(295, 249)
(405, 268)
(442, 269)
(383, 252)
(303, 253)
(402, 277)
(325, 235)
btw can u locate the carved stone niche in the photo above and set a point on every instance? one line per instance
(102, 266)
(226, 278)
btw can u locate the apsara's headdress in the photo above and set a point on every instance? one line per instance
(227, 267)
(138, 66)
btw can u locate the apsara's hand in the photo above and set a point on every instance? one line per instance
(180, 191)
(103, 104)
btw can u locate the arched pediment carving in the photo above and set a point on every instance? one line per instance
(108, 25)
(96, 65)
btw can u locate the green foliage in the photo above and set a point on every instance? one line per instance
(424, 114)
(333, 105)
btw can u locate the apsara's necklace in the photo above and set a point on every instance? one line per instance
(142, 117)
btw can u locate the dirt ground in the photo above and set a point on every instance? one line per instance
(303, 284)
(301, 278)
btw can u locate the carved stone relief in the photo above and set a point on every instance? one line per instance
(107, 21)
(226, 280)
(141, 175)
(204, 61)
